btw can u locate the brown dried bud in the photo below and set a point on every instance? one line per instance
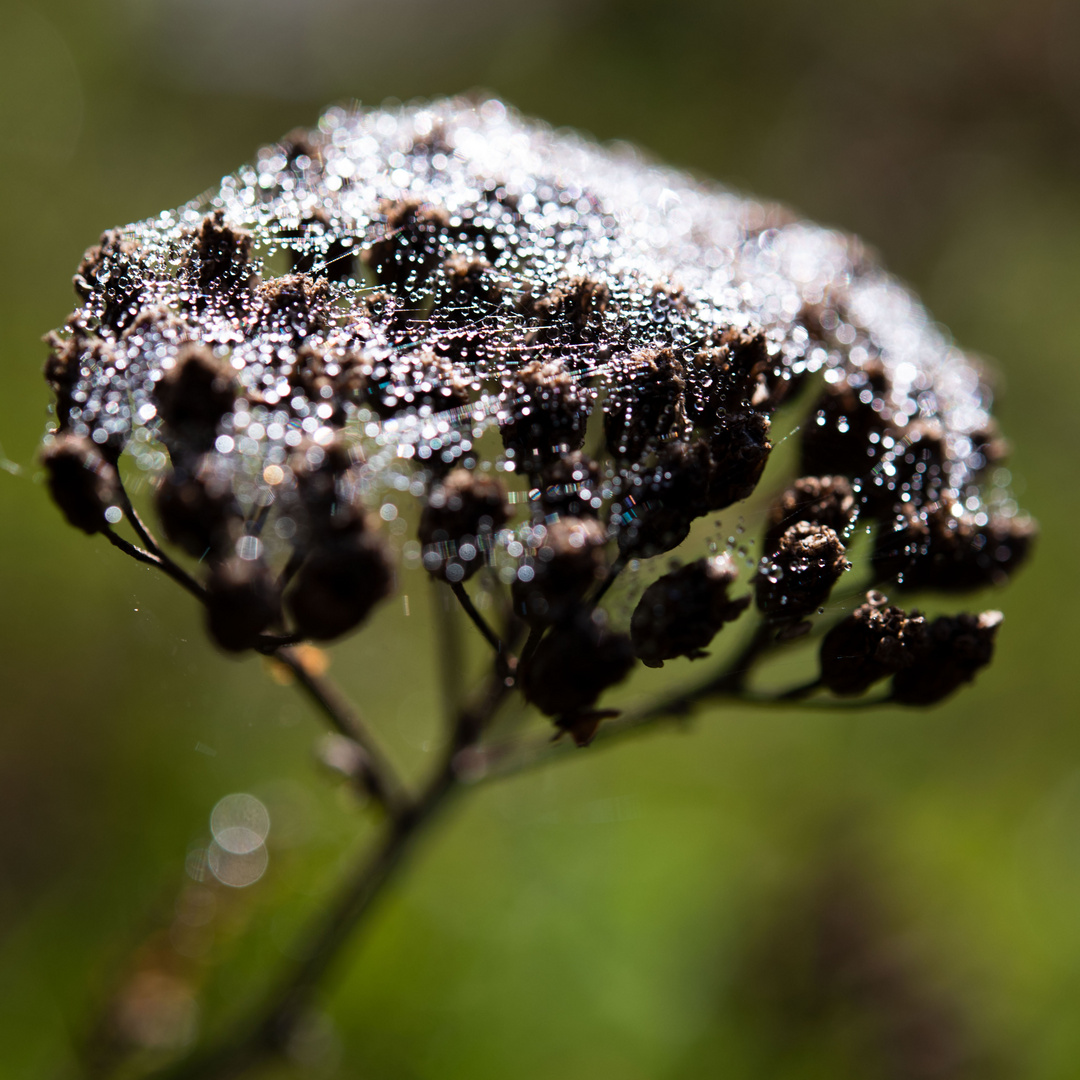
(822, 500)
(908, 464)
(679, 614)
(953, 650)
(569, 487)
(339, 583)
(836, 436)
(739, 448)
(219, 265)
(542, 414)
(411, 246)
(644, 404)
(312, 254)
(295, 304)
(242, 602)
(658, 507)
(458, 521)
(800, 574)
(110, 273)
(82, 483)
(948, 551)
(727, 378)
(413, 382)
(873, 642)
(568, 561)
(572, 313)
(198, 510)
(573, 665)
(192, 397)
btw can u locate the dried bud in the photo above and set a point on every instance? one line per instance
(339, 582)
(569, 487)
(542, 414)
(82, 483)
(192, 397)
(800, 574)
(738, 447)
(728, 378)
(659, 506)
(110, 273)
(644, 405)
(319, 249)
(295, 304)
(836, 436)
(198, 510)
(242, 602)
(219, 265)
(945, 549)
(873, 642)
(952, 651)
(572, 313)
(411, 246)
(821, 500)
(458, 521)
(414, 382)
(679, 614)
(568, 561)
(574, 664)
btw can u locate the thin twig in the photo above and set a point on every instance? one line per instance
(380, 776)
(479, 621)
(166, 565)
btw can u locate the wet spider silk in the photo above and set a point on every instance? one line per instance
(406, 285)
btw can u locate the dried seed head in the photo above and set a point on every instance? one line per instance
(542, 414)
(679, 614)
(800, 574)
(192, 397)
(568, 560)
(82, 483)
(821, 500)
(339, 583)
(242, 602)
(873, 642)
(411, 247)
(198, 509)
(569, 487)
(458, 522)
(738, 449)
(219, 267)
(645, 405)
(950, 654)
(574, 664)
(946, 549)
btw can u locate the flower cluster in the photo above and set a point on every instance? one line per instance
(551, 362)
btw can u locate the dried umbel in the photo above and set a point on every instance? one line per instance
(557, 366)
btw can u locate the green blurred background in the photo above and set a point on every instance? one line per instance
(781, 894)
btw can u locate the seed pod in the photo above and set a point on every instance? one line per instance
(800, 574)
(82, 483)
(948, 551)
(836, 436)
(821, 500)
(192, 397)
(738, 449)
(542, 414)
(569, 487)
(339, 583)
(873, 642)
(218, 266)
(659, 506)
(458, 521)
(570, 314)
(568, 561)
(242, 602)
(198, 510)
(412, 382)
(952, 652)
(680, 613)
(411, 246)
(645, 404)
(575, 663)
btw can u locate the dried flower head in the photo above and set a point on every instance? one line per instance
(462, 291)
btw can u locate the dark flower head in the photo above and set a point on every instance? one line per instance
(83, 484)
(821, 500)
(876, 640)
(458, 523)
(799, 575)
(951, 653)
(681, 612)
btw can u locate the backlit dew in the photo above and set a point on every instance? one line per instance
(237, 856)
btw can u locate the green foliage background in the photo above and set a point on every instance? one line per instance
(645, 911)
